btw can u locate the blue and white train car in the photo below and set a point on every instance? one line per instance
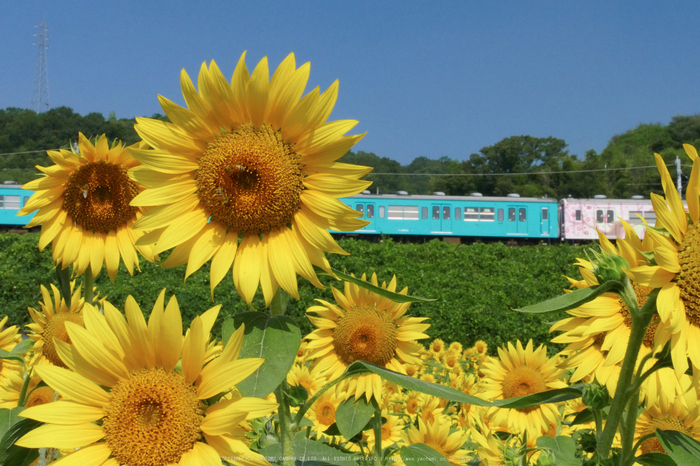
(13, 198)
(473, 216)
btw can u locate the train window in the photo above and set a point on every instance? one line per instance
(370, 210)
(12, 202)
(486, 214)
(650, 216)
(471, 214)
(360, 207)
(578, 215)
(611, 216)
(458, 213)
(500, 215)
(436, 212)
(545, 213)
(511, 214)
(410, 212)
(446, 212)
(599, 216)
(395, 212)
(424, 213)
(633, 217)
(2, 201)
(25, 200)
(382, 211)
(522, 214)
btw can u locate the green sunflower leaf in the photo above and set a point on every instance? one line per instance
(396, 297)
(420, 454)
(277, 340)
(352, 416)
(310, 453)
(448, 393)
(23, 346)
(227, 329)
(655, 459)
(12, 428)
(11, 356)
(560, 450)
(571, 300)
(684, 450)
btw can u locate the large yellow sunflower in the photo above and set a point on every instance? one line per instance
(139, 391)
(249, 161)
(83, 207)
(676, 266)
(364, 326)
(517, 372)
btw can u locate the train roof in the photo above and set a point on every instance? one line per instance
(604, 201)
(10, 185)
(435, 197)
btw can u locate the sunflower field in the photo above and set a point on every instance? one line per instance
(237, 193)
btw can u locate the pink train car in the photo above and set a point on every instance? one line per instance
(579, 218)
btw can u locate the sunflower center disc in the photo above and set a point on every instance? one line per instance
(250, 180)
(689, 276)
(97, 196)
(365, 334)
(325, 413)
(670, 423)
(523, 381)
(153, 418)
(56, 328)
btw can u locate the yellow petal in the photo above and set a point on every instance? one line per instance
(193, 351)
(227, 377)
(170, 336)
(208, 242)
(201, 454)
(673, 197)
(223, 259)
(93, 455)
(73, 386)
(64, 413)
(246, 267)
(182, 229)
(62, 436)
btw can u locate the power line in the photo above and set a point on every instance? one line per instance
(519, 173)
(28, 152)
(41, 78)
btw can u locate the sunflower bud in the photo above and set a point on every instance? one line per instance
(608, 267)
(546, 458)
(595, 396)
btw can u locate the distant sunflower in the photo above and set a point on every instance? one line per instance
(249, 161)
(364, 326)
(437, 436)
(517, 372)
(135, 392)
(50, 322)
(83, 207)
(11, 372)
(676, 266)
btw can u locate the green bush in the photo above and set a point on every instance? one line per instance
(476, 285)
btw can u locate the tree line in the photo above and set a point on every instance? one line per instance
(527, 165)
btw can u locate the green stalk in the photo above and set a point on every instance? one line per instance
(627, 433)
(87, 284)
(63, 277)
(640, 321)
(277, 307)
(377, 424)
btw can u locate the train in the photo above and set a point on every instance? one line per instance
(456, 218)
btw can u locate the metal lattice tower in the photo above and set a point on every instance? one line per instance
(40, 100)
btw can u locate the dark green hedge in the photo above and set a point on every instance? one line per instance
(477, 285)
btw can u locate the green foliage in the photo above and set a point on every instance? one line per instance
(476, 285)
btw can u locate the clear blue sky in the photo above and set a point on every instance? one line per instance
(424, 78)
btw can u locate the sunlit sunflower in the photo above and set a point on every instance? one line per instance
(50, 322)
(392, 430)
(676, 266)
(364, 326)
(438, 437)
(136, 392)
(11, 372)
(599, 332)
(83, 207)
(322, 413)
(249, 161)
(517, 372)
(680, 413)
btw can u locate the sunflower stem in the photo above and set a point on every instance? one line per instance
(64, 283)
(278, 305)
(627, 433)
(87, 282)
(377, 424)
(640, 322)
(284, 417)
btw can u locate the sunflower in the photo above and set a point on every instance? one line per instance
(11, 372)
(83, 207)
(322, 413)
(50, 322)
(681, 413)
(137, 393)
(436, 435)
(364, 326)
(676, 266)
(517, 372)
(249, 161)
(392, 430)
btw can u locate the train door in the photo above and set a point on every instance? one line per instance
(516, 220)
(605, 220)
(544, 221)
(441, 218)
(369, 214)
